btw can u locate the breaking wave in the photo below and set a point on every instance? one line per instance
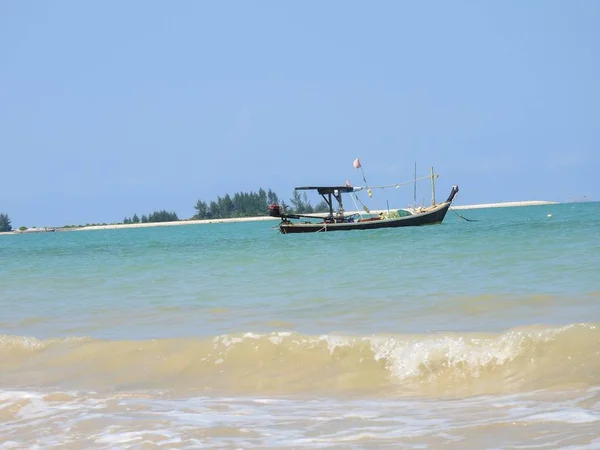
(519, 359)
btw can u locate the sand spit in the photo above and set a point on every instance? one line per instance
(262, 218)
(253, 219)
(168, 224)
(505, 204)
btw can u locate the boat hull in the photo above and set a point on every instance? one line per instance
(430, 217)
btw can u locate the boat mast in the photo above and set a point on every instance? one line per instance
(415, 188)
(432, 187)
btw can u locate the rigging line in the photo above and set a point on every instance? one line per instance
(403, 183)
(369, 193)
(363, 205)
(356, 206)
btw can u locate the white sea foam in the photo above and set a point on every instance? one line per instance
(142, 419)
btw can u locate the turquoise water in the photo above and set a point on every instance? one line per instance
(342, 319)
(209, 279)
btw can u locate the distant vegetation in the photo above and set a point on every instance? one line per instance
(5, 223)
(156, 216)
(251, 204)
(241, 204)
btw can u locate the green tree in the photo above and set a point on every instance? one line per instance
(202, 211)
(226, 206)
(322, 206)
(297, 203)
(5, 223)
(307, 206)
(214, 210)
(262, 199)
(162, 216)
(272, 197)
(240, 204)
(135, 219)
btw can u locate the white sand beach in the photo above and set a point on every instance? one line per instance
(504, 204)
(263, 218)
(181, 222)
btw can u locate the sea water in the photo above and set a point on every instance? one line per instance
(464, 335)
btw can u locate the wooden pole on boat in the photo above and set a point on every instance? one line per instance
(415, 189)
(432, 187)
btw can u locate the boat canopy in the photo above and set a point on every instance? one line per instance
(328, 189)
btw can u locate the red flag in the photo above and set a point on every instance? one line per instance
(357, 163)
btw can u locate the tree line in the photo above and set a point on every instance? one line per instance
(241, 204)
(156, 216)
(249, 204)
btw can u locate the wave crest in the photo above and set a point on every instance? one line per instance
(470, 363)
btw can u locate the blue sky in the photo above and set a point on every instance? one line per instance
(113, 108)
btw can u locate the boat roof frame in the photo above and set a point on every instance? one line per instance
(329, 193)
(327, 189)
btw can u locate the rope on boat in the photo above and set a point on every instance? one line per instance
(356, 206)
(464, 218)
(385, 186)
(322, 229)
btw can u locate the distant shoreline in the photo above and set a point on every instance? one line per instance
(506, 204)
(247, 219)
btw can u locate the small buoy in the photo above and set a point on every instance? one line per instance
(549, 215)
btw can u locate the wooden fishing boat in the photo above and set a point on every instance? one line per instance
(340, 221)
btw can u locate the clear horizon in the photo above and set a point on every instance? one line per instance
(119, 108)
